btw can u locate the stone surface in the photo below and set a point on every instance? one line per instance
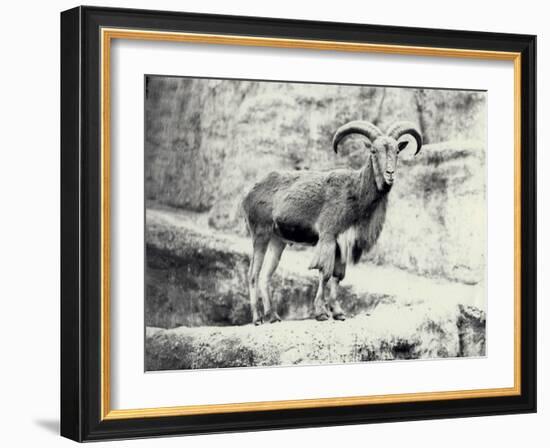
(198, 313)
(390, 332)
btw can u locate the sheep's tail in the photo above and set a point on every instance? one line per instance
(244, 213)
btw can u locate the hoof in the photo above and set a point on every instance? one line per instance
(322, 316)
(339, 316)
(258, 321)
(274, 317)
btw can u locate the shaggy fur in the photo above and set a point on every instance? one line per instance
(340, 212)
(340, 203)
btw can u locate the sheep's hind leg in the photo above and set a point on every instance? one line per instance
(259, 249)
(274, 251)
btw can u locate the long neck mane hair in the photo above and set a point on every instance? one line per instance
(371, 215)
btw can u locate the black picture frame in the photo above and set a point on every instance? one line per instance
(81, 224)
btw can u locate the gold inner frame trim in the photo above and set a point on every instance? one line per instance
(107, 35)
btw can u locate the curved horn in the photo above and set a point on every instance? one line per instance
(401, 128)
(365, 128)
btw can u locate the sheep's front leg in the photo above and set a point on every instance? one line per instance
(334, 305)
(324, 262)
(319, 304)
(337, 276)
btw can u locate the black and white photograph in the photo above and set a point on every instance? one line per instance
(275, 224)
(291, 223)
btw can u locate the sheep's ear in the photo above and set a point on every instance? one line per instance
(402, 145)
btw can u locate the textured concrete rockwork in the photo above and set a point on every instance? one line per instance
(198, 314)
(389, 332)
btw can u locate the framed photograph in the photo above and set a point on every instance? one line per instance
(273, 223)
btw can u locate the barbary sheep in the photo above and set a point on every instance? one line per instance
(340, 212)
